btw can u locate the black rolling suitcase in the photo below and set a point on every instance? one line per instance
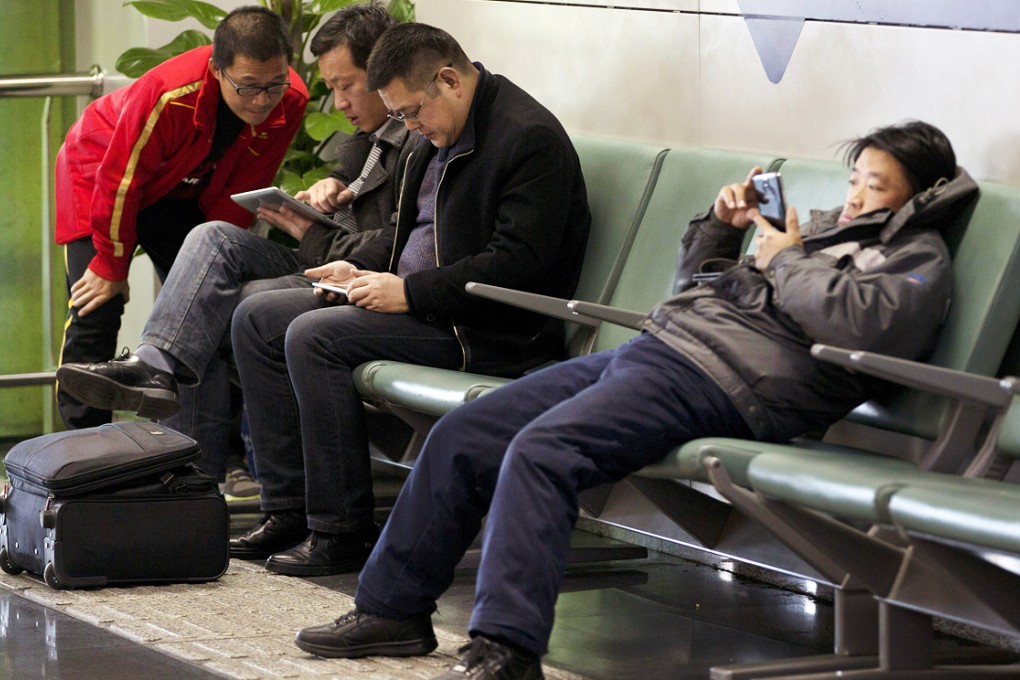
(118, 503)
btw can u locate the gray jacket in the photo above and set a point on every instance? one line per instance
(881, 283)
(376, 204)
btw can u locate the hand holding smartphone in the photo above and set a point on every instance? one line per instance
(331, 287)
(771, 200)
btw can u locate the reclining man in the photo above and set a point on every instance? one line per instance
(187, 334)
(729, 357)
(493, 192)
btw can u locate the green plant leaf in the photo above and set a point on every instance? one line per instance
(295, 156)
(402, 10)
(315, 174)
(320, 126)
(176, 10)
(137, 60)
(289, 181)
(323, 6)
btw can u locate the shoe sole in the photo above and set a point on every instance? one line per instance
(316, 569)
(101, 392)
(421, 647)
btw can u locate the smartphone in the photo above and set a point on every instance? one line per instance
(331, 287)
(771, 201)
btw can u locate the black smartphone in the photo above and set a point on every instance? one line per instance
(771, 201)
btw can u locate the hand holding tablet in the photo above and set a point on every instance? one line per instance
(276, 197)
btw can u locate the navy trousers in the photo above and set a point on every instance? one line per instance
(521, 454)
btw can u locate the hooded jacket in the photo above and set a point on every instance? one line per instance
(881, 283)
(131, 147)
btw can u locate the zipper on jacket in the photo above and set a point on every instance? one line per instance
(435, 240)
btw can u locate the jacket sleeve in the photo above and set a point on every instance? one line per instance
(707, 238)
(135, 153)
(895, 307)
(532, 214)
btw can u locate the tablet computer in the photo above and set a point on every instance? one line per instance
(276, 196)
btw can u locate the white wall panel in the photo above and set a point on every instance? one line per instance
(680, 77)
(615, 72)
(844, 79)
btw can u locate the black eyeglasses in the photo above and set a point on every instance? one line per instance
(401, 117)
(250, 91)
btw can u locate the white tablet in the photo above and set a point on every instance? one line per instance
(276, 196)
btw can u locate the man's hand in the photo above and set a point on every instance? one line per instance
(737, 204)
(378, 292)
(339, 272)
(90, 291)
(771, 240)
(285, 219)
(326, 195)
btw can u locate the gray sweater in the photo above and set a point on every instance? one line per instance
(881, 283)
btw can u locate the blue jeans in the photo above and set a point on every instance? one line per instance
(295, 353)
(521, 454)
(217, 266)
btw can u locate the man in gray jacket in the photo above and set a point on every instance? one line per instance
(728, 357)
(187, 336)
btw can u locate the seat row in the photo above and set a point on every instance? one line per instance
(912, 490)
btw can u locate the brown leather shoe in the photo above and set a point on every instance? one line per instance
(276, 531)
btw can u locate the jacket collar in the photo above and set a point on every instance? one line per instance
(933, 207)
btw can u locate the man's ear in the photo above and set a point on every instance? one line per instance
(214, 69)
(450, 76)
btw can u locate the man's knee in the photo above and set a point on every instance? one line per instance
(211, 235)
(307, 335)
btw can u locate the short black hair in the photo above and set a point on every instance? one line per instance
(253, 31)
(357, 27)
(922, 149)
(413, 52)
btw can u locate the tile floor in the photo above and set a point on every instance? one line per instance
(661, 617)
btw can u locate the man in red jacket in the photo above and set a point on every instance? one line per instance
(145, 164)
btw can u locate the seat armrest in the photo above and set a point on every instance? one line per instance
(614, 315)
(533, 302)
(989, 392)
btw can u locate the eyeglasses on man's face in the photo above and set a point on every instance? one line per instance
(413, 115)
(250, 91)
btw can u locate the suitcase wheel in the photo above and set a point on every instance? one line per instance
(50, 576)
(6, 564)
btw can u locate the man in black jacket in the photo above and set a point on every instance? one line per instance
(493, 192)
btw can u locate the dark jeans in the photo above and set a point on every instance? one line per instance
(295, 354)
(161, 229)
(521, 454)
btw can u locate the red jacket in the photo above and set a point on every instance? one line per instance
(131, 147)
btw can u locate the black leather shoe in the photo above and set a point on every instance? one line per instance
(486, 659)
(125, 384)
(323, 554)
(359, 634)
(276, 531)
